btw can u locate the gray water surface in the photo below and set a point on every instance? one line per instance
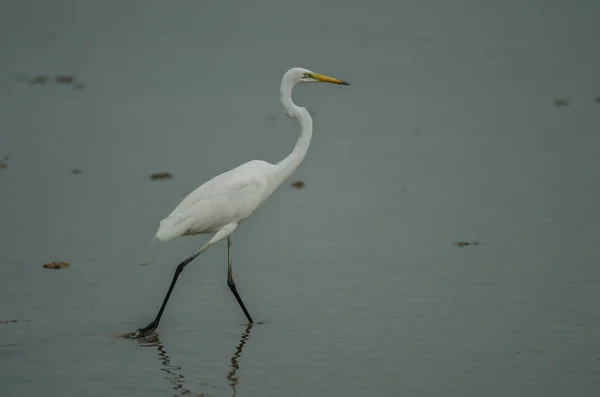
(448, 133)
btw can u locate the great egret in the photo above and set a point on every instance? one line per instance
(221, 204)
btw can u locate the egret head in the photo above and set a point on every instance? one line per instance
(296, 76)
(301, 75)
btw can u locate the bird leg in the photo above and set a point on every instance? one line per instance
(231, 283)
(143, 332)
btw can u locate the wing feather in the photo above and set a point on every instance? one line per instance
(230, 196)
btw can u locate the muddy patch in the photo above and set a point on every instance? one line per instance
(157, 176)
(462, 244)
(298, 184)
(56, 265)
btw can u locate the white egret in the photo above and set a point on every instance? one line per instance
(222, 203)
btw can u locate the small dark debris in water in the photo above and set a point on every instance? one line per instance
(6, 157)
(405, 189)
(56, 265)
(76, 171)
(78, 86)
(561, 102)
(7, 321)
(298, 185)
(161, 175)
(466, 243)
(598, 101)
(145, 263)
(39, 80)
(3, 165)
(272, 117)
(64, 79)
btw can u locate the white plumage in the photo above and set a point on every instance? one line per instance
(227, 198)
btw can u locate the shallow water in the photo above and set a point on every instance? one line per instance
(448, 133)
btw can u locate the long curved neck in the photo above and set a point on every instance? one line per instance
(287, 166)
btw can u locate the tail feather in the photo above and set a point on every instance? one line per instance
(172, 226)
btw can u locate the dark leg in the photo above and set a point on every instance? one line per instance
(154, 324)
(231, 283)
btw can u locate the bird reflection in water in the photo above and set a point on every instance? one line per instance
(174, 375)
(232, 376)
(174, 372)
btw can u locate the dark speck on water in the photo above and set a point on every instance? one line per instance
(298, 185)
(161, 175)
(561, 102)
(7, 321)
(598, 99)
(466, 243)
(39, 80)
(64, 79)
(76, 171)
(3, 165)
(56, 265)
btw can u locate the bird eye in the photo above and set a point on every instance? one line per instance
(307, 75)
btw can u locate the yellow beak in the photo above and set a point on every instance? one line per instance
(327, 79)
